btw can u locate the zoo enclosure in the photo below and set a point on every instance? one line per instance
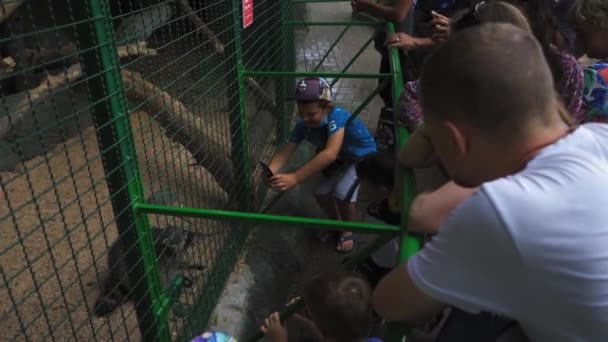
(122, 115)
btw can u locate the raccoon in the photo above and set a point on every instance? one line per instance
(170, 245)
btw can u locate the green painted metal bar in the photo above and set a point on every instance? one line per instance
(283, 110)
(238, 116)
(290, 59)
(115, 138)
(352, 60)
(173, 293)
(265, 218)
(408, 245)
(331, 48)
(294, 74)
(332, 23)
(367, 101)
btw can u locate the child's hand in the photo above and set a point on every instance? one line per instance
(306, 320)
(440, 27)
(284, 182)
(297, 315)
(273, 328)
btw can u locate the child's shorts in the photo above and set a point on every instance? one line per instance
(343, 186)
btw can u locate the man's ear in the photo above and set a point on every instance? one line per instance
(458, 138)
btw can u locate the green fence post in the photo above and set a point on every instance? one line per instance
(285, 85)
(408, 246)
(113, 129)
(237, 101)
(282, 114)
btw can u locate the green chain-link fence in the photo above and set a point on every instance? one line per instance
(106, 103)
(129, 136)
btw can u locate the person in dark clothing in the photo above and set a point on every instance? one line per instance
(401, 13)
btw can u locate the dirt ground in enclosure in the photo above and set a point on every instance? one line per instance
(53, 249)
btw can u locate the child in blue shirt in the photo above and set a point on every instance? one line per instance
(341, 143)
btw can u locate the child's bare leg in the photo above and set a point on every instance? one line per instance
(347, 211)
(345, 196)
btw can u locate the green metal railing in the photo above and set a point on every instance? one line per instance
(127, 131)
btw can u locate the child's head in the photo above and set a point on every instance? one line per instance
(340, 304)
(313, 97)
(590, 20)
(499, 92)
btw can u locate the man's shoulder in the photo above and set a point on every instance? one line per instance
(588, 144)
(572, 171)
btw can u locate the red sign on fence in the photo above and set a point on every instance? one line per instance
(247, 13)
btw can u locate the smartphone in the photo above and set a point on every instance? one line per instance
(266, 171)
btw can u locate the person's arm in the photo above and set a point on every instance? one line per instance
(457, 267)
(397, 299)
(429, 211)
(395, 13)
(282, 157)
(405, 41)
(322, 160)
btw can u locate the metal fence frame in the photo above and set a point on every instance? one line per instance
(115, 138)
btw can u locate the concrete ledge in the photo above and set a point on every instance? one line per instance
(273, 258)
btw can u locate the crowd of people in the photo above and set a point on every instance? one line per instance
(496, 98)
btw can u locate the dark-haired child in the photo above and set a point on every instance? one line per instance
(338, 308)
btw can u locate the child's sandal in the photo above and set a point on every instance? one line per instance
(342, 240)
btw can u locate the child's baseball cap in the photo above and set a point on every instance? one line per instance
(313, 89)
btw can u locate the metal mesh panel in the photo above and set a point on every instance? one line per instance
(109, 103)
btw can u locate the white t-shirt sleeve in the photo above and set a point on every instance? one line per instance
(466, 263)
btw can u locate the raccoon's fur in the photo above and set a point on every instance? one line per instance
(170, 245)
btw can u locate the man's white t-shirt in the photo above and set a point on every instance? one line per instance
(532, 246)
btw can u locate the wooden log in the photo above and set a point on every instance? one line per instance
(184, 127)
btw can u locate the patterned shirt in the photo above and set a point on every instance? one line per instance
(595, 94)
(570, 88)
(358, 142)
